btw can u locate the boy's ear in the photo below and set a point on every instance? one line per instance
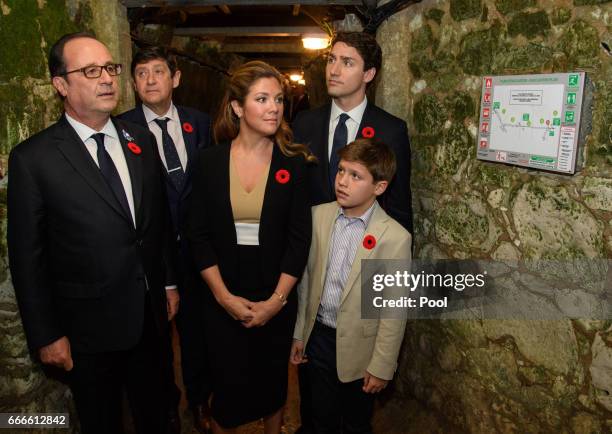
(380, 187)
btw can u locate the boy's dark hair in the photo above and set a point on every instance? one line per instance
(152, 53)
(57, 66)
(366, 46)
(376, 156)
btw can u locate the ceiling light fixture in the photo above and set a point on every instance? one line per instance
(315, 42)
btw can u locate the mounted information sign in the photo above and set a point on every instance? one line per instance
(531, 120)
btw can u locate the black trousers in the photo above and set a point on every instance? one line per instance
(191, 329)
(97, 382)
(305, 405)
(336, 407)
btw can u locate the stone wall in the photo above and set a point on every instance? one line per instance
(28, 28)
(501, 376)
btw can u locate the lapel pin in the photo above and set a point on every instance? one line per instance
(134, 148)
(282, 176)
(369, 242)
(367, 132)
(127, 136)
(187, 127)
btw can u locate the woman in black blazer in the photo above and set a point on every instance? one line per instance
(249, 229)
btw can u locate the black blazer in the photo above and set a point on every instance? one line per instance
(196, 138)
(285, 225)
(312, 128)
(79, 266)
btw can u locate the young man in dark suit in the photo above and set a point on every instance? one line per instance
(180, 132)
(90, 246)
(352, 64)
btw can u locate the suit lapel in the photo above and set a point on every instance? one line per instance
(190, 138)
(134, 164)
(271, 185)
(376, 228)
(70, 145)
(365, 120)
(327, 226)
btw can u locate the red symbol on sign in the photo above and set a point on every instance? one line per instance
(484, 128)
(483, 143)
(485, 112)
(487, 97)
(488, 82)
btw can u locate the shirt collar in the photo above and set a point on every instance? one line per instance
(365, 217)
(84, 132)
(150, 115)
(355, 114)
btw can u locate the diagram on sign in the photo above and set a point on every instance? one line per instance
(526, 118)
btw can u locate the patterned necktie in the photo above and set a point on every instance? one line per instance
(173, 162)
(110, 173)
(339, 142)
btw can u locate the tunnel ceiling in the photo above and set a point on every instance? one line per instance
(269, 31)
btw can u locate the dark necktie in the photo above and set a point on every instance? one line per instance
(339, 142)
(173, 162)
(110, 174)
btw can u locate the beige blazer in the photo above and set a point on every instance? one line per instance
(361, 344)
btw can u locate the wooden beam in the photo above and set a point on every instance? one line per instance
(225, 9)
(263, 47)
(160, 3)
(296, 10)
(247, 31)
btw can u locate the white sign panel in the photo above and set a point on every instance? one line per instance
(531, 120)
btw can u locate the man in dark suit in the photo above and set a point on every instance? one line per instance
(180, 133)
(352, 64)
(90, 246)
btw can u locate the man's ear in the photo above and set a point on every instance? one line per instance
(59, 83)
(237, 108)
(176, 79)
(369, 75)
(380, 187)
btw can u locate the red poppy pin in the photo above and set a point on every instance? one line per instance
(134, 148)
(369, 242)
(187, 127)
(282, 176)
(367, 132)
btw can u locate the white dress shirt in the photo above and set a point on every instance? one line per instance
(352, 123)
(113, 147)
(174, 129)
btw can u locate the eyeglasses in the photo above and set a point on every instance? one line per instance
(95, 71)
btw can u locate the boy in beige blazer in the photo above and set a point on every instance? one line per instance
(349, 358)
